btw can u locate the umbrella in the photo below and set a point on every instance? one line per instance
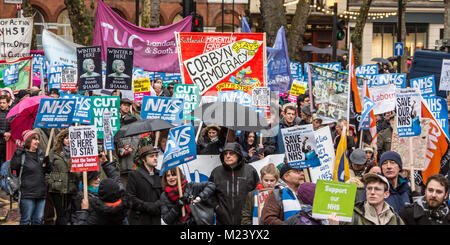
(142, 126)
(310, 48)
(25, 104)
(231, 115)
(380, 60)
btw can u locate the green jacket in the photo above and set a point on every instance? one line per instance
(388, 216)
(61, 180)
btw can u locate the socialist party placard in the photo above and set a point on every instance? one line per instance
(83, 148)
(89, 61)
(119, 68)
(165, 108)
(102, 104)
(300, 146)
(55, 113)
(408, 109)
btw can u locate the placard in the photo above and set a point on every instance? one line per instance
(169, 109)
(69, 79)
(300, 146)
(408, 112)
(83, 148)
(384, 98)
(445, 75)
(426, 85)
(191, 95)
(141, 87)
(108, 140)
(102, 104)
(82, 108)
(325, 152)
(89, 68)
(119, 68)
(55, 113)
(261, 97)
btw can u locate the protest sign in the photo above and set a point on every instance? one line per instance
(438, 107)
(296, 69)
(108, 140)
(54, 80)
(119, 68)
(82, 108)
(17, 74)
(55, 113)
(300, 146)
(331, 66)
(58, 50)
(326, 155)
(298, 87)
(191, 95)
(279, 69)
(69, 79)
(408, 112)
(239, 97)
(222, 61)
(89, 68)
(445, 75)
(165, 108)
(366, 70)
(180, 147)
(426, 85)
(141, 87)
(384, 98)
(261, 97)
(156, 45)
(83, 149)
(15, 41)
(399, 79)
(39, 62)
(334, 197)
(102, 104)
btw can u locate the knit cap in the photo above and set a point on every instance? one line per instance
(391, 155)
(27, 134)
(109, 190)
(306, 192)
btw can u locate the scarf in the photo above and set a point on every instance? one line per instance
(173, 195)
(434, 215)
(291, 204)
(66, 151)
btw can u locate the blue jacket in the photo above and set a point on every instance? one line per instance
(401, 195)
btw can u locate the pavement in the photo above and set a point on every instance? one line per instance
(7, 216)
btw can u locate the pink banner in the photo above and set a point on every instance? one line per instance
(154, 48)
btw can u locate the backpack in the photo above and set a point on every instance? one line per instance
(9, 181)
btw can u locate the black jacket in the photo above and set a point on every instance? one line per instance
(4, 125)
(171, 213)
(413, 214)
(207, 147)
(232, 187)
(33, 184)
(145, 193)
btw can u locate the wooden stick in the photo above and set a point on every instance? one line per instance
(85, 185)
(180, 191)
(110, 156)
(49, 143)
(306, 172)
(411, 175)
(198, 131)
(157, 139)
(360, 139)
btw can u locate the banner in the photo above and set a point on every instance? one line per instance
(141, 87)
(155, 48)
(119, 68)
(444, 83)
(55, 113)
(89, 68)
(102, 104)
(108, 140)
(54, 80)
(366, 70)
(296, 69)
(426, 85)
(300, 146)
(38, 62)
(438, 107)
(82, 112)
(278, 65)
(191, 95)
(334, 197)
(384, 98)
(222, 61)
(165, 108)
(58, 50)
(69, 79)
(83, 149)
(326, 155)
(180, 147)
(15, 39)
(399, 79)
(16, 75)
(408, 112)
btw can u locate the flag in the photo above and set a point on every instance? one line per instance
(341, 167)
(354, 85)
(278, 64)
(372, 120)
(245, 28)
(436, 147)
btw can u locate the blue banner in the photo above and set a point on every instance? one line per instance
(399, 79)
(239, 97)
(366, 70)
(425, 84)
(369, 104)
(165, 108)
(180, 147)
(296, 70)
(54, 80)
(38, 61)
(245, 27)
(11, 74)
(82, 109)
(439, 109)
(55, 113)
(279, 69)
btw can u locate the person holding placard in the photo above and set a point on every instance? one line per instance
(171, 203)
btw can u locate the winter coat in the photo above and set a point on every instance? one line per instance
(247, 211)
(60, 179)
(304, 217)
(206, 147)
(44, 135)
(33, 184)
(4, 125)
(145, 193)
(232, 187)
(273, 211)
(171, 213)
(400, 196)
(384, 140)
(414, 214)
(126, 162)
(364, 214)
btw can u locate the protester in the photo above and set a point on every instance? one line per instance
(250, 147)
(63, 183)
(33, 188)
(243, 178)
(357, 167)
(252, 211)
(136, 112)
(283, 203)
(370, 156)
(432, 208)
(316, 122)
(305, 194)
(384, 138)
(125, 114)
(170, 88)
(54, 93)
(5, 130)
(158, 88)
(208, 142)
(21, 95)
(373, 169)
(350, 140)
(8, 92)
(172, 204)
(144, 188)
(289, 120)
(306, 115)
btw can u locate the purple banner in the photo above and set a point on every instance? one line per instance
(154, 48)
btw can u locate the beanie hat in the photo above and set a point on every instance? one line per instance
(391, 155)
(109, 191)
(27, 134)
(358, 157)
(306, 192)
(92, 175)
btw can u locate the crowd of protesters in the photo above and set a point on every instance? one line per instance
(128, 189)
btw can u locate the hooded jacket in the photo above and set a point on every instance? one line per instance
(232, 186)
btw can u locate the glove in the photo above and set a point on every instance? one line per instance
(180, 203)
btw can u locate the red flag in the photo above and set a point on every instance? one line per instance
(436, 147)
(354, 85)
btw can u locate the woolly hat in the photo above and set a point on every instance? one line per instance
(27, 134)
(358, 157)
(92, 175)
(307, 110)
(391, 155)
(109, 191)
(306, 193)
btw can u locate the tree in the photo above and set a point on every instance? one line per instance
(357, 35)
(273, 15)
(28, 11)
(150, 13)
(145, 14)
(403, 64)
(298, 28)
(81, 21)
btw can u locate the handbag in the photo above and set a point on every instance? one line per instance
(202, 213)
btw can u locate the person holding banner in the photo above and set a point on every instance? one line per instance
(33, 188)
(171, 203)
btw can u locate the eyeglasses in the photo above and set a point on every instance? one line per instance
(376, 189)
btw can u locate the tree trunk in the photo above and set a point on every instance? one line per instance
(145, 14)
(298, 28)
(154, 13)
(28, 12)
(357, 35)
(273, 14)
(404, 66)
(81, 22)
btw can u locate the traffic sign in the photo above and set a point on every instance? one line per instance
(398, 49)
